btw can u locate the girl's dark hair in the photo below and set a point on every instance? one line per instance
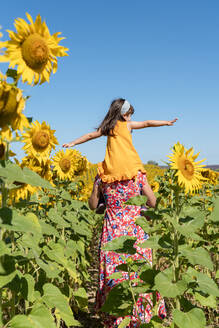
(113, 115)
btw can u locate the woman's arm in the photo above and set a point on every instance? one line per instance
(84, 138)
(150, 123)
(94, 198)
(148, 192)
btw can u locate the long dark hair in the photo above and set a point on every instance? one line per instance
(113, 115)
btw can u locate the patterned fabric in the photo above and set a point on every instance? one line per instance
(119, 221)
(121, 160)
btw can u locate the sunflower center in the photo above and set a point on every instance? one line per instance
(35, 52)
(187, 169)
(65, 164)
(40, 140)
(2, 150)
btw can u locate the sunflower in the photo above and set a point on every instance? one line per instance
(66, 164)
(33, 49)
(209, 176)
(23, 191)
(188, 171)
(12, 104)
(43, 169)
(155, 186)
(39, 140)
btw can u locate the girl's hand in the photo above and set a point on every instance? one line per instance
(172, 122)
(67, 145)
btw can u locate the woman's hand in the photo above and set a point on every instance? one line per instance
(67, 145)
(148, 192)
(171, 122)
(94, 198)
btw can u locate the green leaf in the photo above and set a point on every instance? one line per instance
(119, 300)
(215, 213)
(194, 318)
(65, 195)
(48, 229)
(39, 317)
(3, 248)
(152, 242)
(144, 224)
(151, 214)
(164, 284)
(193, 221)
(70, 249)
(197, 256)
(123, 244)
(52, 270)
(148, 275)
(76, 204)
(4, 280)
(12, 172)
(12, 73)
(55, 252)
(81, 228)
(13, 221)
(54, 298)
(55, 217)
(116, 275)
(81, 296)
(209, 301)
(125, 322)
(206, 284)
(27, 287)
(137, 200)
(32, 243)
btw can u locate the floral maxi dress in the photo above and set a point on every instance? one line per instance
(119, 220)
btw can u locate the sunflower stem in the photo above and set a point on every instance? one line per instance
(176, 250)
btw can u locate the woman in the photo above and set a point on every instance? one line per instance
(119, 220)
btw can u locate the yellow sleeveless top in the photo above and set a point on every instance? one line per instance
(121, 161)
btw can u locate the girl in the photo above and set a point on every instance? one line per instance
(121, 161)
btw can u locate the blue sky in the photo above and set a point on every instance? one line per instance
(160, 55)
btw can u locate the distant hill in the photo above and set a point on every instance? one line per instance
(214, 167)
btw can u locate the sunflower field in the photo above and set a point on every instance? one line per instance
(47, 228)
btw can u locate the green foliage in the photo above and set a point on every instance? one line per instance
(44, 250)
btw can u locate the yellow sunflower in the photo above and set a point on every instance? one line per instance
(43, 169)
(85, 182)
(39, 140)
(155, 186)
(12, 104)
(33, 49)
(187, 170)
(23, 191)
(66, 163)
(209, 176)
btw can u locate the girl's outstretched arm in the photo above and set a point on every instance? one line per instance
(150, 123)
(84, 138)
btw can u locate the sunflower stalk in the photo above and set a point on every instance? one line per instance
(176, 242)
(4, 204)
(132, 292)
